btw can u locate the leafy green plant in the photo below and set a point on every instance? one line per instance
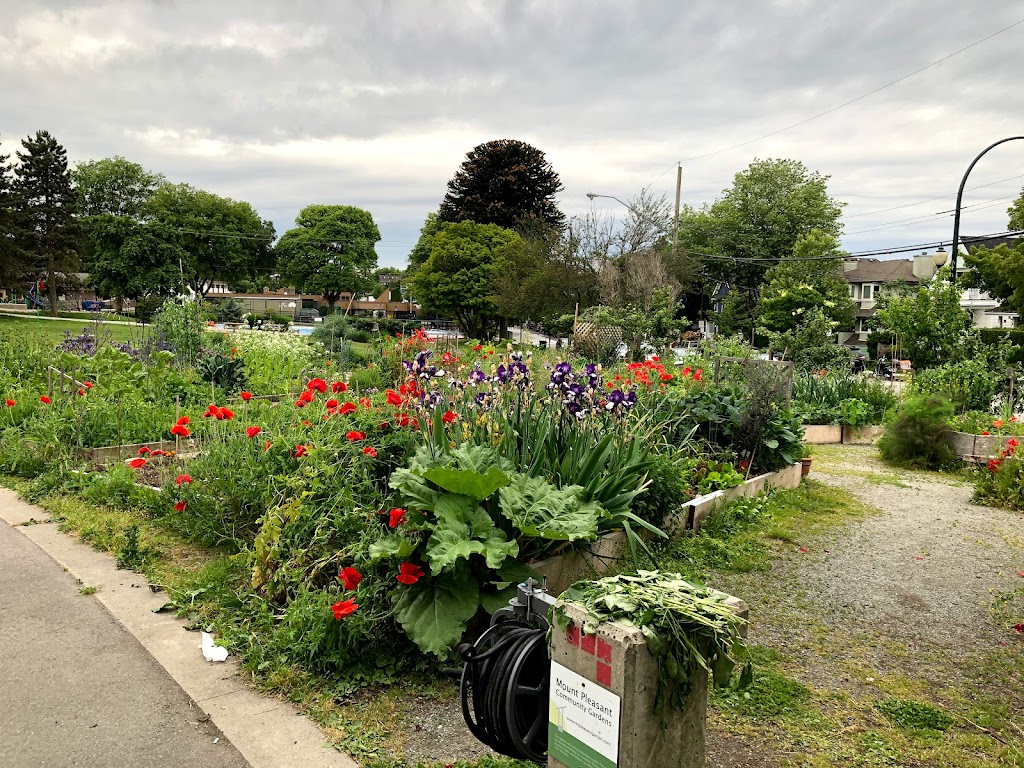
(913, 715)
(920, 436)
(132, 555)
(222, 369)
(468, 518)
(854, 413)
(967, 383)
(687, 627)
(1001, 481)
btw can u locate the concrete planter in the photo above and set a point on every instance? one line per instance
(562, 571)
(862, 435)
(694, 512)
(823, 434)
(984, 446)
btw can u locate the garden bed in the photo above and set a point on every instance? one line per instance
(985, 446)
(836, 434)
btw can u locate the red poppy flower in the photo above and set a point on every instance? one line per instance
(396, 517)
(986, 432)
(332, 403)
(402, 420)
(183, 420)
(698, 375)
(1012, 443)
(409, 573)
(394, 398)
(347, 408)
(687, 370)
(44, 399)
(365, 402)
(10, 403)
(266, 445)
(182, 479)
(300, 451)
(354, 436)
(180, 430)
(212, 410)
(305, 422)
(88, 384)
(350, 578)
(477, 347)
(300, 403)
(227, 413)
(998, 423)
(136, 463)
(318, 384)
(180, 506)
(158, 452)
(666, 377)
(81, 392)
(339, 386)
(143, 450)
(344, 608)
(307, 396)
(253, 431)
(247, 396)
(449, 417)
(384, 426)
(370, 451)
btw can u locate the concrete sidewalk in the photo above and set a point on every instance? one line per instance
(76, 689)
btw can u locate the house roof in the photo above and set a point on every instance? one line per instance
(988, 241)
(876, 271)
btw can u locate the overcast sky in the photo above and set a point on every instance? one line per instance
(375, 103)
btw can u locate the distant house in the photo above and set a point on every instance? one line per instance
(987, 312)
(865, 279)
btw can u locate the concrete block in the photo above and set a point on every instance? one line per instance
(862, 435)
(704, 506)
(562, 571)
(823, 434)
(617, 665)
(787, 477)
(963, 443)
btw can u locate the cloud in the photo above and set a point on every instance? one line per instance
(376, 104)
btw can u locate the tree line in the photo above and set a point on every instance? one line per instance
(136, 234)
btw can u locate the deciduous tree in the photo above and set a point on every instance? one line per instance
(216, 238)
(504, 182)
(1000, 271)
(928, 322)
(1016, 213)
(330, 251)
(458, 278)
(760, 217)
(13, 260)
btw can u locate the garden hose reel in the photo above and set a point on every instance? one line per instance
(504, 682)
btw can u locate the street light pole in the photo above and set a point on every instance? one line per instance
(960, 197)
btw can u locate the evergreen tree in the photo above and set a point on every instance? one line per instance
(13, 262)
(48, 203)
(504, 182)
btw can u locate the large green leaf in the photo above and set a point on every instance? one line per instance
(449, 545)
(540, 510)
(480, 458)
(434, 612)
(455, 508)
(413, 489)
(467, 482)
(493, 599)
(512, 572)
(498, 548)
(392, 546)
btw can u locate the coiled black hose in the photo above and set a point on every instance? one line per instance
(505, 689)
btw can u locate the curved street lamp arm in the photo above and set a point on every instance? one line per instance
(960, 197)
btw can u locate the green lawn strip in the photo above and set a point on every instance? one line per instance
(51, 332)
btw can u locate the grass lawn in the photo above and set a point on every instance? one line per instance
(51, 332)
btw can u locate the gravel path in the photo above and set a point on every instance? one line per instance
(903, 592)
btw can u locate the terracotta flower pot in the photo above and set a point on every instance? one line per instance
(805, 466)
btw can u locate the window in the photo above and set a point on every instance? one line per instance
(869, 292)
(853, 291)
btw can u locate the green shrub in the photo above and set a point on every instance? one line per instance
(229, 311)
(362, 379)
(969, 384)
(920, 435)
(148, 306)
(332, 333)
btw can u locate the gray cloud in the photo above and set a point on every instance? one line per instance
(375, 104)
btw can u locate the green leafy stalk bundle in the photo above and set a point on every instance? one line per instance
(687, 627)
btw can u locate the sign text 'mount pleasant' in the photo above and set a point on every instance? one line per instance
(583, 721)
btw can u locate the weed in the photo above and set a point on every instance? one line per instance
(84, 590)
(913, 715)
(132, 556)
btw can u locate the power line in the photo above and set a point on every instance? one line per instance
(930, 199)
(855, 100)
(930, 216)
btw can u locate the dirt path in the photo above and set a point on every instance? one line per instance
(902, 596)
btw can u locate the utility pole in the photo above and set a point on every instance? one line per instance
(675, 221)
